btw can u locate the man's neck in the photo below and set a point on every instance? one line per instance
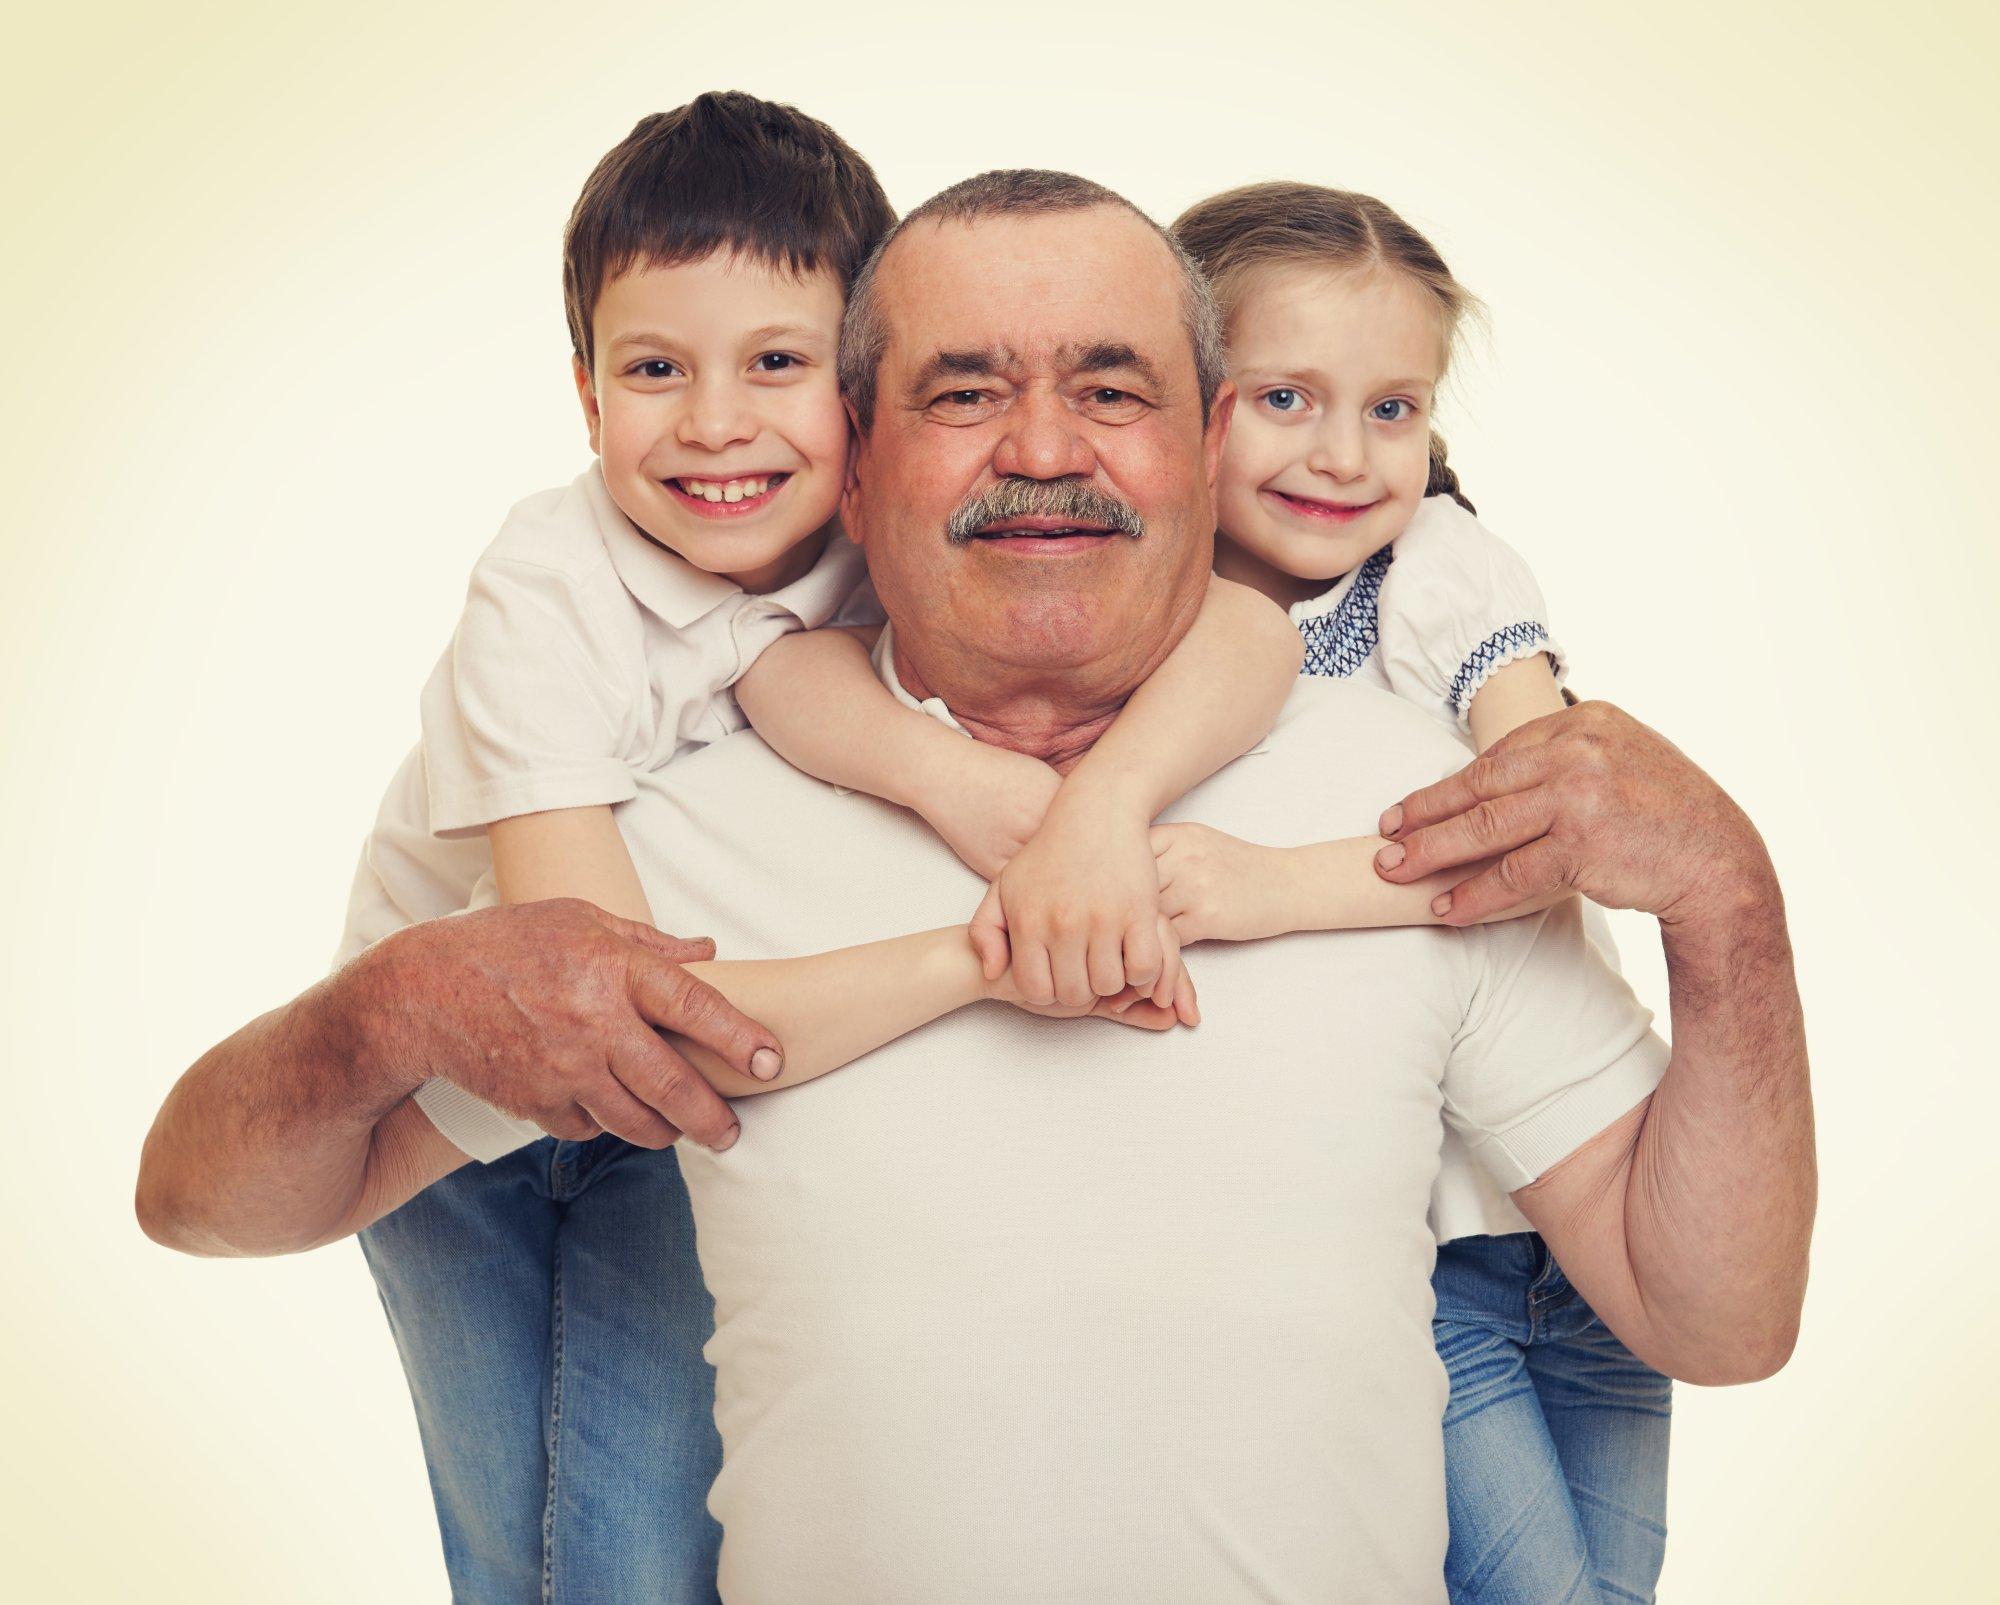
(1056, 716)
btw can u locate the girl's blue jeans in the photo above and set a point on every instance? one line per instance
(1555, 1439)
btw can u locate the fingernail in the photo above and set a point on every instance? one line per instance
(765, 1064)
(1441, 904)
(1392, 820)
(729, 1138)
(1391, 856)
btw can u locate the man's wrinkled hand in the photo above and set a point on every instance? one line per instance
(1587, 799)
(553, 1012)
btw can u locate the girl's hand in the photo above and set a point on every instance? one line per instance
(1076, 914)
(986, 803)
(1218, 887)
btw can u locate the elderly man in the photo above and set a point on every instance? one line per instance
(1028, 1309)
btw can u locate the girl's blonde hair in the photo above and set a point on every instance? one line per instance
(1236, 233)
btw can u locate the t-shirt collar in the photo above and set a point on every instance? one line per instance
(885, 666)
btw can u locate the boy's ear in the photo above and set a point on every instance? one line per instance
(1216, 435)
(586, 393)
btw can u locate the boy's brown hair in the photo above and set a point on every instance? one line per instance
(1234, 234)
(725, 172)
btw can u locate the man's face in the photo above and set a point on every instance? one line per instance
(1038, 382)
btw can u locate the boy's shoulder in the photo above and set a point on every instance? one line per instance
(560, 530)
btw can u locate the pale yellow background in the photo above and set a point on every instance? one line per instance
(284, 342)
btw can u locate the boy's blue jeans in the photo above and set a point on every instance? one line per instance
(1555, 1439)
(551, 1317)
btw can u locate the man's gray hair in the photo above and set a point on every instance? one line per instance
(864, 336)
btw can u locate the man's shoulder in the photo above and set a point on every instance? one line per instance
(1340, 752)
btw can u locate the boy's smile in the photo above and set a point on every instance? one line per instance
(716, 410)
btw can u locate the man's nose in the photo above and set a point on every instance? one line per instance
(1341, 450)
(716, 416)
(1043, 439)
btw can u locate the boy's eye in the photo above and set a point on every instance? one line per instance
(1392, 411)
(1284, 400)
(775, 362)
(655, 368)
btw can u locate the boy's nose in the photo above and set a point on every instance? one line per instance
(716, 417)
(1043, 440)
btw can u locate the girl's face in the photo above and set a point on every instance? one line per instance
(1329, 451)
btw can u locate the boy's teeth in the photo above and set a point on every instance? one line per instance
(726, 490)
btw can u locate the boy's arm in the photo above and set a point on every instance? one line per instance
(1216, 886)
(815, 698)
(567, 852)
(1077, 912)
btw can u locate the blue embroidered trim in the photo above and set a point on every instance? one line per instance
(1339, 642)
(1502, 646)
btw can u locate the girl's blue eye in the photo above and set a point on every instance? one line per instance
(1392, 411)
(1283, 400)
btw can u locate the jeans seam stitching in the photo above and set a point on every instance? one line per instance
(555, 1426)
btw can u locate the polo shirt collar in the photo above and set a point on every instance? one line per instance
(885, 666)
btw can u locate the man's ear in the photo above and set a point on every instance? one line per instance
(1216, 435)
(586, 393)
(850, 488)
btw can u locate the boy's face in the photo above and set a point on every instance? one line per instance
(716, 410)
(1329, 453)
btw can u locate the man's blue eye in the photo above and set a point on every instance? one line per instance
(1283, 400)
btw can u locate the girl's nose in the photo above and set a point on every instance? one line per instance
(716, 416)
(1340, 451)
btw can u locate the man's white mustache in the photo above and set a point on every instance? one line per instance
(1076, 499)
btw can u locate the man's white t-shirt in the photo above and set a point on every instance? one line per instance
(1016, 1309)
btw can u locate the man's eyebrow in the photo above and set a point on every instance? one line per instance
(1102, 356)
(956, 365)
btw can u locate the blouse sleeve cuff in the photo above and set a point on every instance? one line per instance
(1525, 1149)
(460, 812)
(471, 1125)
(1502, 647)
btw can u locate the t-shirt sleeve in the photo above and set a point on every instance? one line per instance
(1457, 604)
(473, 1127)
(534, 706)
(1553, 1048)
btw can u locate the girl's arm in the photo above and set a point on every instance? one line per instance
(1215, 886)
(567, 852)
(1076, 914)
(816, 699)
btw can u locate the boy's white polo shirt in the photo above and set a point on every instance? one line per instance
(587, 655)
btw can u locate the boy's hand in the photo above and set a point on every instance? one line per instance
(987, 803)
(1075, 914)
(1129, 1007)
(1218, 887)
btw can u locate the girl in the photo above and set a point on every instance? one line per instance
(1336, 502)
